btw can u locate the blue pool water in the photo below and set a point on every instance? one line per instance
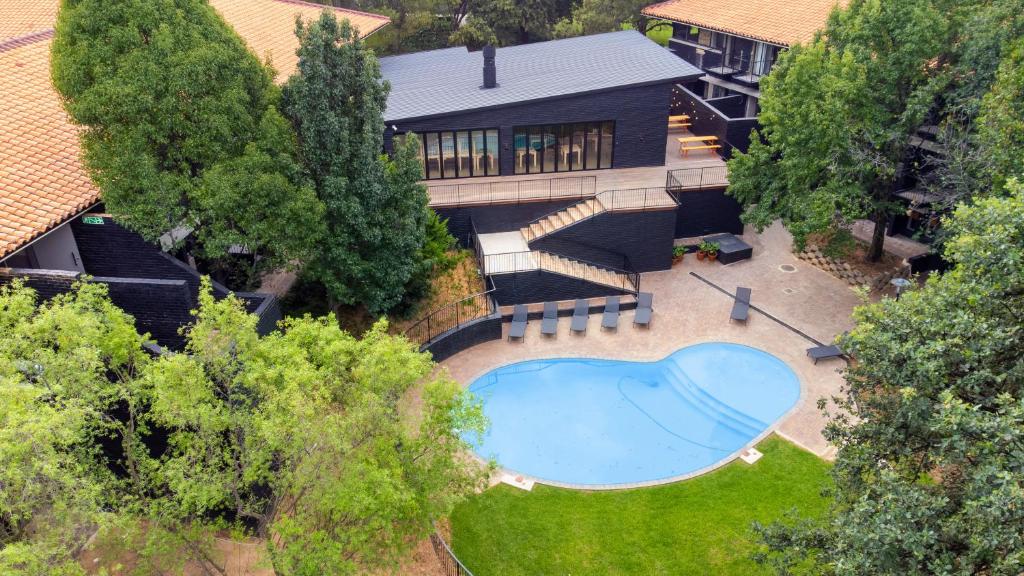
(596, 422)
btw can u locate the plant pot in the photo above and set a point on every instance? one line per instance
(712, 257)
(701, 255)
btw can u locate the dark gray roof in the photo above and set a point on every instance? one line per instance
(444, 81)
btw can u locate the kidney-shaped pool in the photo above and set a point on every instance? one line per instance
(606, 422)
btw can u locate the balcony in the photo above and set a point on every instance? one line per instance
(741, 69)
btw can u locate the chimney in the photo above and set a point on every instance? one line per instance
(490, 72)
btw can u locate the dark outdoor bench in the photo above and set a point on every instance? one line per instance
(730, 248)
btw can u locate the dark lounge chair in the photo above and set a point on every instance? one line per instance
(741, 307)
(549, 324)
(824, 353)
(610, 320)
(580, 316)
(644, 309)
(518, 327)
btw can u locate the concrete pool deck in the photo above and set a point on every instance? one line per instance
(688, 311)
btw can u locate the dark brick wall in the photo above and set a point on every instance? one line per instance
(541, 286)
(644, 237)
(639, 113)
(703, 212)
(46, 283)
(734, 106)
(159, 307)
(466, 336)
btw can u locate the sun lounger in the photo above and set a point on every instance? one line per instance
(580, 316)
(549, 324)
(741, 307)
(644, 309)
(610, 319)
(824, 353)
(518, 327)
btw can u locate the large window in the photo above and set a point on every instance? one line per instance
(458, 154)
(564, 147)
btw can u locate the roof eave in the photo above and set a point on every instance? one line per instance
(773, 41)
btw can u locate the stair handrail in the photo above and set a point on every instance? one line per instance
(434, 320)
(516, 259)
(608, 201)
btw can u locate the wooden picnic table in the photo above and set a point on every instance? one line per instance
(702, 143)
(679, 118)
(686, 139)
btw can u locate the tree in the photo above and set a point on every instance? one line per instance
(597, 16)
(837, 117)
(521, 21)
(167, 93)
(929, 476)
(375, 210)
(1001, 124)
(305, 438)
(68, 389)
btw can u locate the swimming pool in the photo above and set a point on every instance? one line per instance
(606, 422)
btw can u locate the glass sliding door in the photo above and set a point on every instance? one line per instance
(564, 147)
(433, 169)
(459, 154)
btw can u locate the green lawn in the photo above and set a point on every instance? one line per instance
(699, 526)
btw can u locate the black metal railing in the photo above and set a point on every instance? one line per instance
(450, 565)
(511, 192)
(627, 199)
(451, 316)
(627, 280)
(697, 178)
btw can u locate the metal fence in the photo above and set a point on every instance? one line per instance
(697, 178)
(451, 316)
(449, 563)
(511, 192)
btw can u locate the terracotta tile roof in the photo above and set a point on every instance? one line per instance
(42, 179)
(23, 17)
(784, 22)
(268, 26)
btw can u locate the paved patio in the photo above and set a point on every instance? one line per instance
(688, 311)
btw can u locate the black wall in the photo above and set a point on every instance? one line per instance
(543, 286)
(640, 115)
(466, 336)
(644, 237)
(703, 212)
(707, 120)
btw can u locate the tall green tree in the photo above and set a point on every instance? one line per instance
(597, 16)
(173, 106)
(929, 476)
(376, 213)
(837, 118)
(1001, 125)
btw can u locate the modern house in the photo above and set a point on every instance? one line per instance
(735, 43)
(52, 226)
(554, 161)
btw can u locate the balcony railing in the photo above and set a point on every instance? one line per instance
(626, 280)
(697, 178)
(511, 192)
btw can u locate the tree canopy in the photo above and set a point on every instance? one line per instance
(376, 212)
(193, 109)
(930, 469)
(837, 116)
(305, 438)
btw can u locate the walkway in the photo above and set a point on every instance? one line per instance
(688, 311)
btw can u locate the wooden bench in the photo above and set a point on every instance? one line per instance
(687, 149)
(678, 125)
(679, 118)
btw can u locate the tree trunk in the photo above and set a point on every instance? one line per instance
(877, 237)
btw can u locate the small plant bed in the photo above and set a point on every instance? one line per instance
(462, 280)
(698, 526)
(852, 267)
(708, 251)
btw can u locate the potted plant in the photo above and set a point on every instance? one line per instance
(678, 252)
(707, 250)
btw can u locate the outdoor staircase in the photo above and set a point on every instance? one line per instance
(583, 271)
(562, 219)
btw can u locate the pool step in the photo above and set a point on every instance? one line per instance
(710, 405)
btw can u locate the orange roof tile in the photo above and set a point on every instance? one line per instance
(23, 17)
(784, 22)
(42, 179)
(268, 26)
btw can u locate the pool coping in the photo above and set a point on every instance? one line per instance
(771, 429)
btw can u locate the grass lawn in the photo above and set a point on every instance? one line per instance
(698, 526)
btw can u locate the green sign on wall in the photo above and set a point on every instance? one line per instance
(92, 219)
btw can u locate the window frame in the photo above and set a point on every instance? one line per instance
(574, 129)
(475, 171)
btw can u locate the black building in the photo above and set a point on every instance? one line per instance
(562, 106)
